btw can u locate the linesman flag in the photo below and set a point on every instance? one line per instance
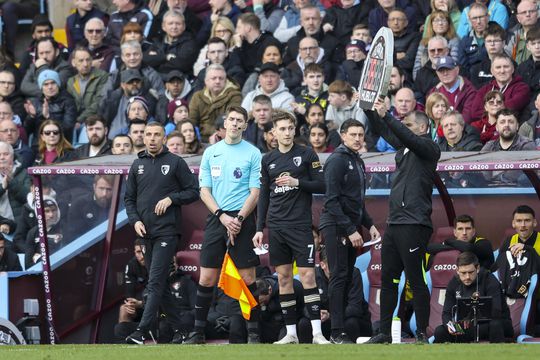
(232, 284)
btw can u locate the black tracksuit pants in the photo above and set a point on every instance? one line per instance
(404, 248)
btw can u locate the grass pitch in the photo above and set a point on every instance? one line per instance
(273, 352)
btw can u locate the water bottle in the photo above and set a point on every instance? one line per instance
(396, 330)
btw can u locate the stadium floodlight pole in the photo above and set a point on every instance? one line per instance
(45, 260)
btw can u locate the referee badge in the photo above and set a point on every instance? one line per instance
(297, 160)
(165, 169)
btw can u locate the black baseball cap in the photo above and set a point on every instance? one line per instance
(269, 66)
(129, 75)
(175, 74)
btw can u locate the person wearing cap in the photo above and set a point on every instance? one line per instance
(114, 108)
(53, 103)
(85, 87)
(55, 233)
(459, 91)
(271, 85)
(176, 86)
(47, 58)
(207, 104)
(177, 111)
(177, 49)
(516, 91)
(426, 76)
(351, 68)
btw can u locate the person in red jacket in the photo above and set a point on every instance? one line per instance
(516, 92)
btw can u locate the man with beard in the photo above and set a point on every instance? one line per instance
(92, 209)
(509, 140)
(98, 144)
(397, 81)
(136, 134)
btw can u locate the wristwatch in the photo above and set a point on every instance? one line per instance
(240, 218)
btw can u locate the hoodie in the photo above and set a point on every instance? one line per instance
(281, 97)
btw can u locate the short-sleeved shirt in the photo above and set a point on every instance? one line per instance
(230, 171)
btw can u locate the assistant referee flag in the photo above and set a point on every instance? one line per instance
(232, 284)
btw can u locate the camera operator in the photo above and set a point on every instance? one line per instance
(473, 281)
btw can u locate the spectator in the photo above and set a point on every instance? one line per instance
(466, 239)
(447, 6)
(426, 77)
(136, 134)
(378, 16)
(218, 94)
(351, 69)
(76, 22)
(176, 50)
(222, 28)
(14, 183)
(91, 209)
(272, 86)
(102, 53)
(515, 90)
(440, 24)
(361, 32)
(269, 13)
(10, 133)
(9, 261)
(405, 41)
(312, 93)
(250, 41)
(404, 103)
(341, 18)
(54, 103)
(486, 126)
(220, 131)
(397, 81)
(47, 58)
(496, 12)
(310, 19)
(459, 91)
(53, 147)
(315, 115)
(342, 106)
(527, 17)
(12, 11)
(193, 23)
(528, 69)
(121, 145)
(290, 22)
(310, 53)
(128, 11)
(218, 8)
(529, 129)
(494, 43)
(436, 106)
(41, 28)
(192, 144)
(86, 86)
(261, 114)
(98, 143)
(176, 143)
(471, 46)
(457, 135)
(318, 138)
(271, 54)
(10, 93)
(218, 54)
(131, 55)
(177, 111)
(177, 87)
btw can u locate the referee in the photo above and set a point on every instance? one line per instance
(159, 182)
(409, 220)
(290, 175)
(229, 179)
(344, 212)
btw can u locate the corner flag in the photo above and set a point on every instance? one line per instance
(232, 284)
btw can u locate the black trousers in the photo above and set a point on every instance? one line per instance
(158, 254)
(341, 258)
(404, 248)
(496, 331)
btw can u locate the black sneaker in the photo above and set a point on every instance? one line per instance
(380, 338)
(341, 339)
(194, 338)
(138, 337)
(178, 337)
(253, 338)
(421, 338)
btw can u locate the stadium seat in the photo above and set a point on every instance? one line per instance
(522, 314)
(442, 233)
(188, 262)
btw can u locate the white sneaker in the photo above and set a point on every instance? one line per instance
(320, 339)
(288, 339)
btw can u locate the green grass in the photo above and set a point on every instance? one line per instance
(273, 352)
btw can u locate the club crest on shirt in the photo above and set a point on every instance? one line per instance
(165, 169)
(140, 170)
(297, 160)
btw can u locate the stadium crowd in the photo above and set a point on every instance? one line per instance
(470, 66)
